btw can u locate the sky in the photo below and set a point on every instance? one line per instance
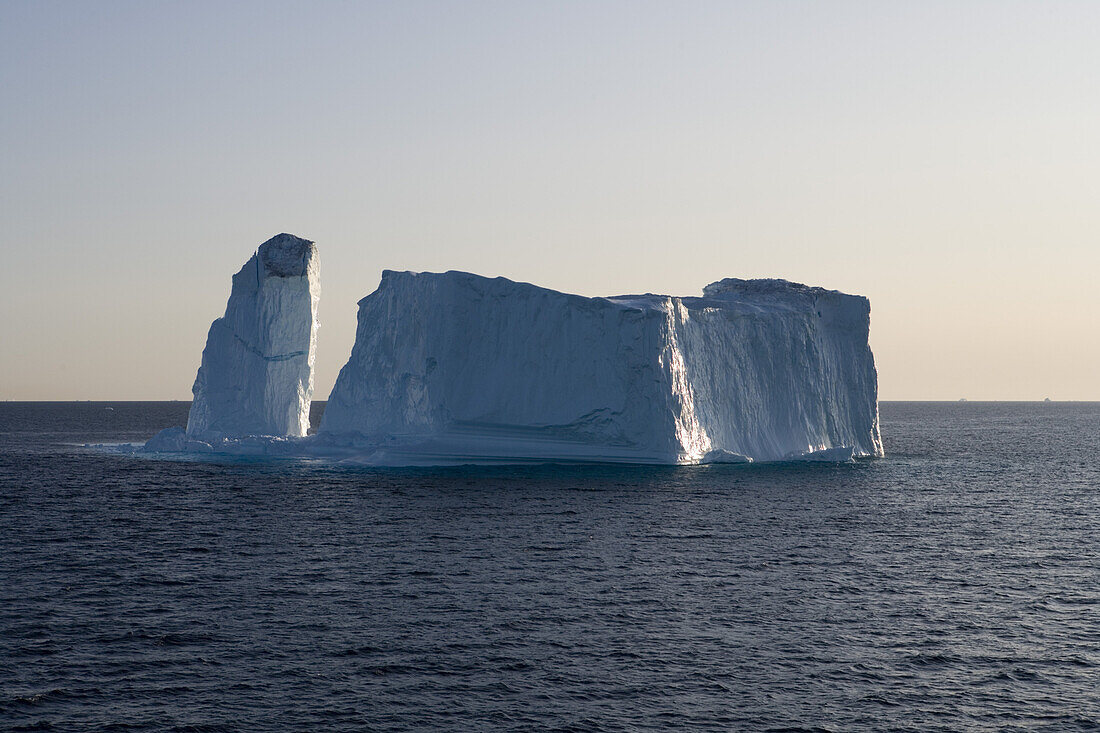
(942, 159)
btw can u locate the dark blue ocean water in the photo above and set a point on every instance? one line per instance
(954, 585)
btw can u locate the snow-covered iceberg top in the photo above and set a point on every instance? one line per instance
(256, 376)
(453, 367)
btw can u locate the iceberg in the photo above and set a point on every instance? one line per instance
(256, 376)
(454, 367)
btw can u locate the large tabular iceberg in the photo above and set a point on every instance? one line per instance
(256, 376)
(454, 367)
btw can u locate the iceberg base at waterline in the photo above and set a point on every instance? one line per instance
(396, 453)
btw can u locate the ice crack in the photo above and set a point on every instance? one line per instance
(259, 353)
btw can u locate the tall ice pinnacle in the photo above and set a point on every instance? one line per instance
(256, 376)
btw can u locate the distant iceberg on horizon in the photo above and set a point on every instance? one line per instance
(452, 368)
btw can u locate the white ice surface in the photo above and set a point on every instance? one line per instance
(256, 376)
(454, 367)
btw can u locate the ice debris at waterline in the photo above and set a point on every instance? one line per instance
(456, 368)
(256, 376)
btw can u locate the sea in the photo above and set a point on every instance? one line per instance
(953, 585)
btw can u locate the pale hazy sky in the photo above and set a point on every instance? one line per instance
(942, 159)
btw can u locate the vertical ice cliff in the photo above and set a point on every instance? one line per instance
(781, 370)
(452, 367)
(256, 376)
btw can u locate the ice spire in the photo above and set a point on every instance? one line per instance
(256, 376)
